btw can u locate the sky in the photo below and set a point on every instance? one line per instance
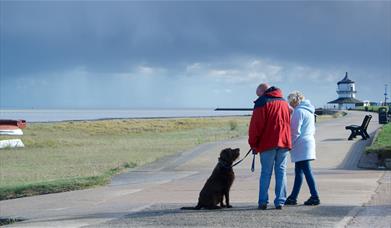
(188, 54)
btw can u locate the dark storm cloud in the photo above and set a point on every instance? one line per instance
(112, 36)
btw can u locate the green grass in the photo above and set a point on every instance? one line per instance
(74, 155)
(382, 144)
(371, 108)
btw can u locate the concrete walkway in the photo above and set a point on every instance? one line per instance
(151, 195)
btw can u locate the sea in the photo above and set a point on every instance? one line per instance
(56, 115)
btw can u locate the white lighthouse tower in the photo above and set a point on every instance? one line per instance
(346, 88)
(346, 91)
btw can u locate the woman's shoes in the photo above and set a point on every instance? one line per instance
(312, 201)
(290, 201)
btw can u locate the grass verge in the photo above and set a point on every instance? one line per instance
(46, 187)
(382, 144)
(80, 154)
(371, 108)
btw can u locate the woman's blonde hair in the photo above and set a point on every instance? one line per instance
(295, 97)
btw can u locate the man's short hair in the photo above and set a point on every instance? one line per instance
(263, 86)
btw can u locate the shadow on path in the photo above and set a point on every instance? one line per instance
(352, 158)
(243, 215)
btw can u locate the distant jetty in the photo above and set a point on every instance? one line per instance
(233, 109)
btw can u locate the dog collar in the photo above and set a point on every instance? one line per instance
(224, 163)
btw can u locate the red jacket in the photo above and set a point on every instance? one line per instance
(270, 125)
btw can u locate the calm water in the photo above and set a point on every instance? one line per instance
(89, 114)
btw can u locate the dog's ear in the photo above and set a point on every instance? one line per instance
(230, 154)
(226, 154)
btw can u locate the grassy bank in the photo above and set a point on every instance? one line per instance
(75, 155)
(382, 144)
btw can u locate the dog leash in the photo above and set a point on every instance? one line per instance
(253, 163)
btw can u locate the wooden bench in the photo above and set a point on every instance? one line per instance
(360, 130)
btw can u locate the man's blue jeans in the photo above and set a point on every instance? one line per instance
(278, 159)
(303, 167)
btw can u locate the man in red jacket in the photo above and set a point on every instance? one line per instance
(270, 136)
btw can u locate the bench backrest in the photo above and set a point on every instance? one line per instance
(365, 122)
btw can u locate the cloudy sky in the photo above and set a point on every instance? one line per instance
(185, 54)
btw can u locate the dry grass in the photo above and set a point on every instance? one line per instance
(65, 154)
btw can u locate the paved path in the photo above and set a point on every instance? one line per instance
(151, 195)
(377, 212)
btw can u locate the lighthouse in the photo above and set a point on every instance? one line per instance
(346, 91)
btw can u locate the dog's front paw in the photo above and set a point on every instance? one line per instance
(229, 206)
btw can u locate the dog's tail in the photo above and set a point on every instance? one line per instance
(198, 207)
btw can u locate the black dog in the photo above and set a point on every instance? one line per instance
(219, 183)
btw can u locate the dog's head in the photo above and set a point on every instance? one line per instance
(229, 154)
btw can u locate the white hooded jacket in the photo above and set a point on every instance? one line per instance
(303, 131)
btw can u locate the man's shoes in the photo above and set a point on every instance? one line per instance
(290, 201)
(262, 207)
(279, 207)
(312, 201)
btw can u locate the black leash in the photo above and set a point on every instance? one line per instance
(253, 164)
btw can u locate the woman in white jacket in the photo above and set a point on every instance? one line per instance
(303, 147)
